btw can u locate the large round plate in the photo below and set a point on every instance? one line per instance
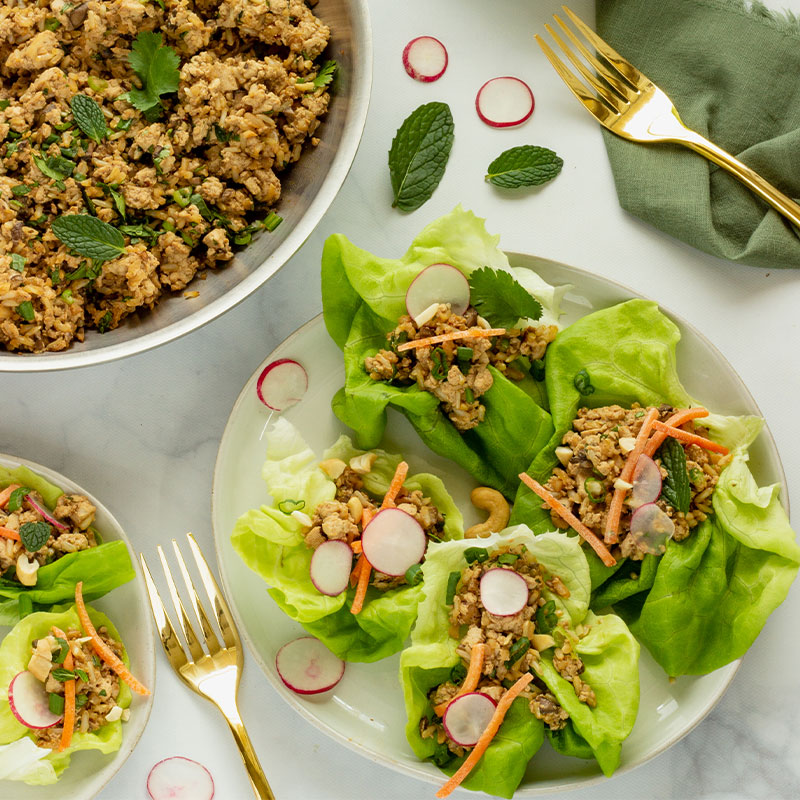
(126, 606)
(366, 711)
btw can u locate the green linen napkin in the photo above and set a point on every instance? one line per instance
(731, 68)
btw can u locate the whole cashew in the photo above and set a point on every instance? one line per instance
(492, 501)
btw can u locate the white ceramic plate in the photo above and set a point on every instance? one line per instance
(365, 712)
(126, 606)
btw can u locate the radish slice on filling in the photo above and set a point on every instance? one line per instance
(646, 482)
(503, 592)
(281, 384)
(29, 702)
(306, 666)
(45, 515)
(467, 716)
(651, 528)
(425, 59)
(331, 566)
(180, 778)
(504, 102)
(393, 542)
(438, 283)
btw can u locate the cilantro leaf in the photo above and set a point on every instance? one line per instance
(156, 66)
(500, 299)
(325, 74)
(527, 165)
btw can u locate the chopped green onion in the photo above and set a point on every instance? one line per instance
(583, 383)
(595, 490)
(518, 649)
(464, 353)
(440, 367)
(16, 204)
(473, 554)
(414, 574)
(458, 673)
(168, 225)
(272, 221)
(56, 703)
(287, 506)
(104, 322)
(67, 297)
(546, 618)
(97, 84)
(20, 189)
(52, 24)
(62, 126)
(469, 395)
(452, 585)
(25, 310)
(507, 558)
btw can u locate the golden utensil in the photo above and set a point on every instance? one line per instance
(213, 674)
(630, 105)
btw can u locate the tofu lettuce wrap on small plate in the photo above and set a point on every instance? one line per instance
(506, 653)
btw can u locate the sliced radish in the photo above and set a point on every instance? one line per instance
(393, 542)
(30, 702)
(504, 102)
(438, 283)
(467, 716)
(503, 592)
(331, 566)
(46, 515)
(651, 528)
(180, 778)
(425, 59)
(306, 666)
(282, 384)
(646, 482)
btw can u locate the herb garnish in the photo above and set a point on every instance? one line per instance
(89, 117)
(56, 703)
(25, 310)
(583, 383)
(89, 236)
(325, 74)
(676, 490)
(414, 574)
(18, 262)
(546, 618)
(16, 498)
(452, 585)
(34, 535)
(62, 675)
(501, 299)
(289, 505)
(527, 165)
(518, 649)
(104, 323)
(473, 554)
(156, 66)
(63, 644)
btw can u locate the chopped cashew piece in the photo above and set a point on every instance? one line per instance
(27, 570)
(302, 518)
(543, 641)
(333, 467)
(627, 443)
(39, 666)
(563, 454)
(363, 464)
(356, 508)
(499, 512)
(621, 484)
(114, 714)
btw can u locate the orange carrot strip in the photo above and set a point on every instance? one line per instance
(69, 697)
(396, 485)
(471, 333)
(470, 680)
(357, 570)
(691, 438)
(486, 737)
(6, 494)
(101, 648)
(9, 534)
(587, 534)
(356, 546)
(618, 498)
(361, 589)
(680, 417)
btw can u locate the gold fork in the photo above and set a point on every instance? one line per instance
(214, 675)
(630, 105)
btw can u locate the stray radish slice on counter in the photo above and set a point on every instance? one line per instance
(393, 541)
(438, 283)
(503, 592)
(281, 384)
(180, 778)
(467, 716)
(646, 482)
(306, 666)
(651, 528)
(504, 102)
(425, 59)
(331, 566)
(30, 702)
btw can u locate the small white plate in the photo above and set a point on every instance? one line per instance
(127, 607)
(365, 712)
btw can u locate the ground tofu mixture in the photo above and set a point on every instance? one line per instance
(457, 372)
(183, 182)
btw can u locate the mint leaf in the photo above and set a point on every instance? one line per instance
(500, 299)
(156, 66)
(17, 496)
(325, 74)
(55, 167)
(527, 165)
(89, 236)
(18, 262)
(89, 117)
(676, 489)
(419, 154)
(34, 535)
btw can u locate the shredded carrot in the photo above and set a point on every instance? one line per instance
(680, 417)
(618, 498)
(361, 588)
(396, 485)
(6, 494)
(101, 648)
(9, 534)
(356, 546)
(470, 680)
(486, 737)
(586, 533)
(471, 333)
(69, 697)
(691, 438)
(366, 517)
(357, 570)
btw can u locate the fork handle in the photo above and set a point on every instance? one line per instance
(258, 780)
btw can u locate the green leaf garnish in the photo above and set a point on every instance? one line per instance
(677, 489)
(414, 574)
(473, 554)
(527, 165)
(500, 299)
(34, 535)
(82, 675)
(518, 649)
(55, 167)
(289, 505)
(325, 74)
(16, 498)
(25, 310)
(61, 674)
(63, 644)
(89, 117)
(156, 66)
(89, 236)
(583, 383)
(507, 558)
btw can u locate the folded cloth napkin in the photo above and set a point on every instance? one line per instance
(730, 68)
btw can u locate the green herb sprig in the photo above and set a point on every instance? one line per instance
(528, 165)
(501, 299)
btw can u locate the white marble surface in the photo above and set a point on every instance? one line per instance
(142, 434)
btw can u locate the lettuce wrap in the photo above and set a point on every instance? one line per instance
(272, 543)
(363, 297)
(609, 652)
(18, 760)
(703, 602)
(101, 568)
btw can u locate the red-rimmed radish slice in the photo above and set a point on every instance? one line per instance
(467, 716)
(393, 542)
(306, 666)
(425, 59)
(438, 283)
(331, 566)
(281, 384)
(46, 515)
(30, 703)
(646, 482)
(179, 778)
(503, 592)
(504, 102)
(651, 528)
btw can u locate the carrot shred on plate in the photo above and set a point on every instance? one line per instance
(69, 696)
(691, 438)
(5, 494)
(486, 737)
(471, 333)
(471, 679)
(586, 533)
(680, 417)
(9, 534)
(395, 486)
